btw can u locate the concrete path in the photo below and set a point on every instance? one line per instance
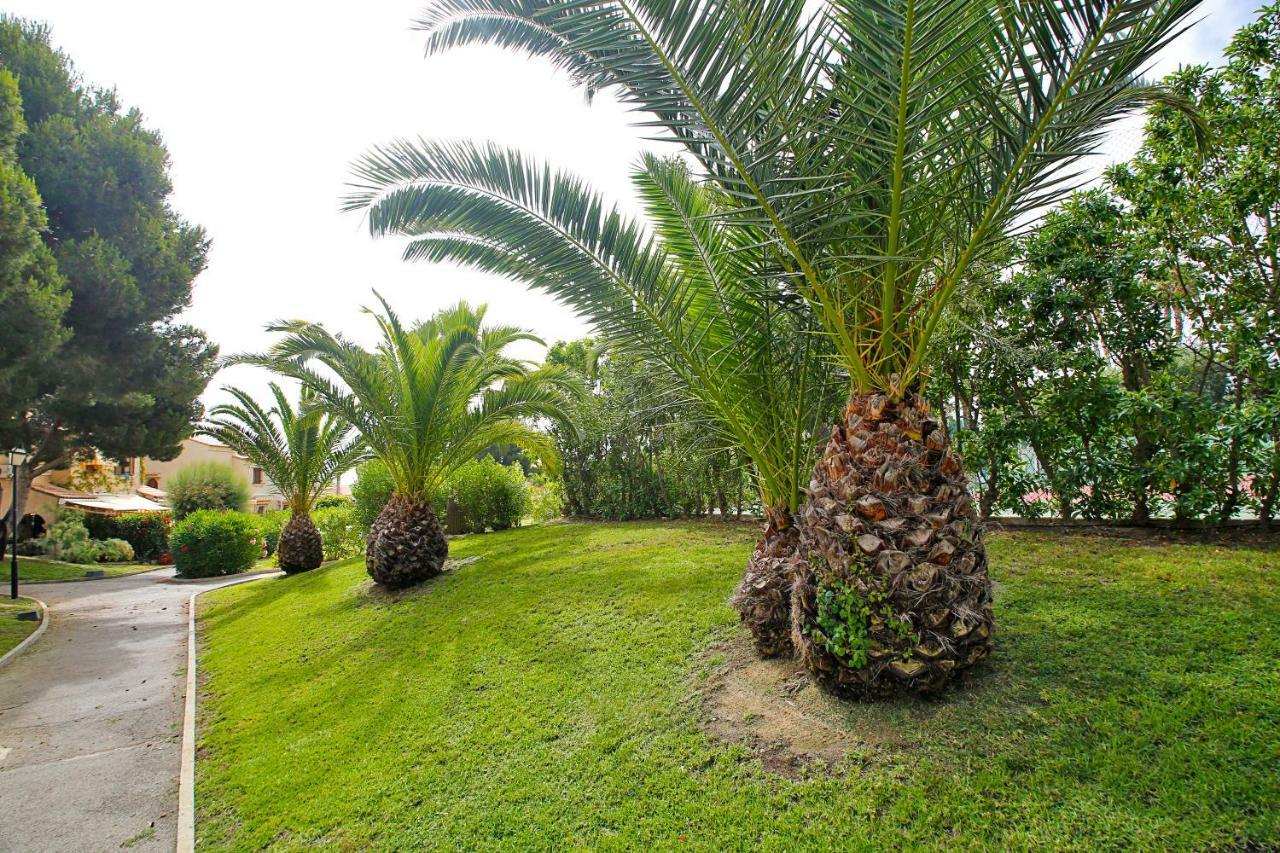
(91, 718)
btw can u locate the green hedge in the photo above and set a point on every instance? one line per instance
(208, 543)
(490, 495)
(341, 535)
(146, 532)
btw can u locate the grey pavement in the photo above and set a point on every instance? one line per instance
(91, 718)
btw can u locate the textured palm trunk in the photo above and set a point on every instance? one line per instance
(891, 535)
(406, 544)
(763, 598)
(301, 547)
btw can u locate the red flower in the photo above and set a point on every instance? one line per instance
(184, 547)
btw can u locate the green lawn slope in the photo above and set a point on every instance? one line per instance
(549, 694)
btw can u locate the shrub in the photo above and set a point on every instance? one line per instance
(370, 493)
(327, 501)
(339, 531)
(67, 539)
(146, 532)
(269, 525)
(490, 495)
(208, 543)
(207, 485)
(546, 500)
(113, 551)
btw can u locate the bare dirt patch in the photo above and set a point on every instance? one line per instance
(369, 593)
(773, 708)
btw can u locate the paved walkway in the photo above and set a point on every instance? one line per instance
(91, 718)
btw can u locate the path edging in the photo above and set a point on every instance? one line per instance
(33, 636)
(187, 772)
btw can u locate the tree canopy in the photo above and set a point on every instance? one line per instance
(112, 370)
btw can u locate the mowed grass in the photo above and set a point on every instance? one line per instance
(12, 629)
(35, 570)
(546, 695)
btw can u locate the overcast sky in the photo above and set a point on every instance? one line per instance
(264, 105)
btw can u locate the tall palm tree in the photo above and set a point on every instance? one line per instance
(301, 450)
(881, 148)
(426, 401)
(692, 296)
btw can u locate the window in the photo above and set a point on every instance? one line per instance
(153, 482)
(257, 476)
(262, 509)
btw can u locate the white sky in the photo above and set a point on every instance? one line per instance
(264, 105)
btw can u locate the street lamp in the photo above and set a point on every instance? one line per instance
(16, 458)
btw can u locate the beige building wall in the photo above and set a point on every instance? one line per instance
(155, 474)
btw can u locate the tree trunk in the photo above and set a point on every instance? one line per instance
(891, 593)
(301, 547)
(406, 544)
(763, 598)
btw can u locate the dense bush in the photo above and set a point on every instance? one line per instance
(339, 531)
(146, 532)
(113, 551)
(207, 485)
(370, 493)
(326, 501)
(208, 543)
(490, 495)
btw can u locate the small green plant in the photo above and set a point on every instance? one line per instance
(113, 551)
(208, 543)
(843, 623)
(332, 500)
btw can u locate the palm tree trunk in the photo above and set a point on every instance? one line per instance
(301, 546)
(406, 544)
(763, 598)
(890, 534)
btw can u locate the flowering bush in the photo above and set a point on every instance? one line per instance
(208, 543)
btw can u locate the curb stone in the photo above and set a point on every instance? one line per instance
(187, 772)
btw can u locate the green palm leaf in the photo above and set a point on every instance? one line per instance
(431, 396)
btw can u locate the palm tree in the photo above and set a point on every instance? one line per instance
(881, 148)
(302, 451)
(425, 402)
(693, 299)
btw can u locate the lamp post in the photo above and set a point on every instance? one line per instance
(16, 458)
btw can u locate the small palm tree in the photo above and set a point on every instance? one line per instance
(694, 299)
(881, 149)
(426, 401)
(301, 450)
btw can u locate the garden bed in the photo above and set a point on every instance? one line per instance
(564, 690)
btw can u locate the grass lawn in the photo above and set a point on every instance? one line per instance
(549, 695)
(13, 631)
(35, 570)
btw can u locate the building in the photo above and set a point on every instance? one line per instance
(138, 485)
